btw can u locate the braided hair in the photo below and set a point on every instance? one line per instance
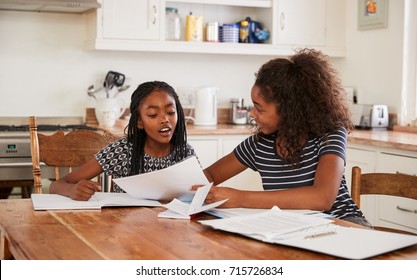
(137, 137)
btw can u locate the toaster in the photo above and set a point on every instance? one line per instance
(370, 116)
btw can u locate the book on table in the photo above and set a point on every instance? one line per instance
(97, 201)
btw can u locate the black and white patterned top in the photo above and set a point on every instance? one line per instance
(261, 156)
(114, 159)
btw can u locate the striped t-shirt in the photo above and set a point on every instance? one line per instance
(259, 154)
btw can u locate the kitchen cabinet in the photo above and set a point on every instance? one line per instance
(209, 148)
(134, 25)
(382, 210)
(301, 22)
(130, 19)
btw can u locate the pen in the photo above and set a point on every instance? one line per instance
(319, 234)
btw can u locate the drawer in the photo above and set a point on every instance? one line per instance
(388, 211)
(391, 163)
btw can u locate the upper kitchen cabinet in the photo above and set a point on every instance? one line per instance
(301, 22)
(130, 19)
(139, 25)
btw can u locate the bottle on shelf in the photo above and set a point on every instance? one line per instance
(172, 24)
(194, 28)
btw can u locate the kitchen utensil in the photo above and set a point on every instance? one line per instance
(91, 91)
(206, 106)
(113, 79)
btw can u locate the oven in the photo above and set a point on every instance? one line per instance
(15, 155)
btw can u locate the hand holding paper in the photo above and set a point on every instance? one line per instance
(181, 210)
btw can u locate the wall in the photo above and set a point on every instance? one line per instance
(373, 64)
(45, 71)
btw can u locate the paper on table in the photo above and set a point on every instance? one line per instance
(97, 201)
(268, 224)
(181, 210)
(346, 242)
(174, 181)
(233, 212)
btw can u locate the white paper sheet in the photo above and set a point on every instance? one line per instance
(97, 201)
(165, 184)
(182, 210)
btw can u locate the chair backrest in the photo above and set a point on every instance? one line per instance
(62, 150)
(394, 184)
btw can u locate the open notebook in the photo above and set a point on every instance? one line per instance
(97, 201)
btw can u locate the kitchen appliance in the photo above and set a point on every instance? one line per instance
(205, 111)
(370, 116)
(238, 113)
(15, 155)
(57, 6)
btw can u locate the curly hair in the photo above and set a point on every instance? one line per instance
(309, 98)
(137, 137)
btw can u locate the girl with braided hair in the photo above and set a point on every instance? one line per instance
(156, 138)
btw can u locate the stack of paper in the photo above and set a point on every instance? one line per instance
(313, 233)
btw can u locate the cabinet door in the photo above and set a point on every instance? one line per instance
(131, 19)
(365, 159)
(302, 22)
(391, 163)
(248, 179)
(206, 149)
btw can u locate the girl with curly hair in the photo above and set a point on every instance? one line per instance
(302, 121)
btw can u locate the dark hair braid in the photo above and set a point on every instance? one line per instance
(137, 137)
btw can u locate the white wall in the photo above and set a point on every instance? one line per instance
(373, 64)
(46, 72)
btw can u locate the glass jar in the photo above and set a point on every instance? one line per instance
(172, 24)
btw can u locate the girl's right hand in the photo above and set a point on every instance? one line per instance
(84, 190)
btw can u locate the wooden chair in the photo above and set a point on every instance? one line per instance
(393, 184)
(62, 150)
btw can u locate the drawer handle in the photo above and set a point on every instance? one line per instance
(406, 210)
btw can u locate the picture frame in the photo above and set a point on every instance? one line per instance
(372, 14)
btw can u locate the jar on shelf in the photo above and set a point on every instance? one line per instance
(172, 24)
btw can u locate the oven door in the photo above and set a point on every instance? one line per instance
(21, 169)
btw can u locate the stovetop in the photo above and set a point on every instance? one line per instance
(45, 127)
(21, 124)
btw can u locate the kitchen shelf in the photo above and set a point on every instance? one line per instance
(240, 3)
(120, 28)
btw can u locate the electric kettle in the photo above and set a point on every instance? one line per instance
(205, 111)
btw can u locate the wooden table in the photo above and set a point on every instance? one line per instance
(133, 233)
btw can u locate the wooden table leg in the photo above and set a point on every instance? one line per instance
(5, 253)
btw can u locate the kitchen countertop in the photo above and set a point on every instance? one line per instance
(379, 138)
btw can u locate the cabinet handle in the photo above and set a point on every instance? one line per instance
(282, 21)
(155, 14)
(406, 210)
